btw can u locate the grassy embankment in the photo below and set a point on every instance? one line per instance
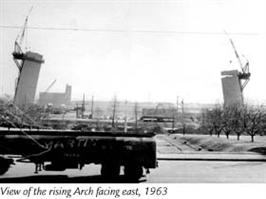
(221, 144)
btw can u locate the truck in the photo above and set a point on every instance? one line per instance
(58, 150)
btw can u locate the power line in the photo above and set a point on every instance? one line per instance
(112, 1)
(133, 31)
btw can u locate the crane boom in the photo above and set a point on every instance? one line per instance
(20, 37)
(50, 86)
(237, 56)
(245, 74)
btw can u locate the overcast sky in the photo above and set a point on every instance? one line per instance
(150, 50)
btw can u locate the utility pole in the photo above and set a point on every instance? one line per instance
(136, 115)
(125, 128)
(83, 107)
(177, 104)
(92, 106)
(183, 122)
(175, 115)
(173, 118)
(114, 111)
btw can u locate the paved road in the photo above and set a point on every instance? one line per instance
(186, 164)
(168, 171)
(175, 169)
(208, 171)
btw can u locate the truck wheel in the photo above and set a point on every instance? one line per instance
(110, 170)
(133, 171)
(4, 165)
(3, 169)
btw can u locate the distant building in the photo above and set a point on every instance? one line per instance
(28, 78)
(232, 91)
(56, 99)
(160, 112)
(156, 119)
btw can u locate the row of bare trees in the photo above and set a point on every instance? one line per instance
(237, 120)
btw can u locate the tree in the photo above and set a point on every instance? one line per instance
(236, 120)
(206, 121)
(253, 121)
(214, 120)
(263, 123)
(217, 115)
(226, 121)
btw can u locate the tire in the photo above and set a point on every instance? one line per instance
(133, 171)
(3, 169)
(110, 170)
(4, 165)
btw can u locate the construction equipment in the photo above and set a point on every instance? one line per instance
(234, 81)
(50, 86)
(18, 54)
(244, 74)
(28, 64)
(57, 150)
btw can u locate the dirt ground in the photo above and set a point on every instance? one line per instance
(222, 144)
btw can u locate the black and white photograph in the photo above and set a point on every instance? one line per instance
(133, 91)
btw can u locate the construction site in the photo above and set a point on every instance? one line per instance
(56, 132)
(52, 103)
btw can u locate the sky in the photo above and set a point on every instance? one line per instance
(149, 50)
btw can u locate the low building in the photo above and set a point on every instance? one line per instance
(56, 99)
(160, 112)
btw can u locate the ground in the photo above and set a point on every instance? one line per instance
(182, 159)
(221, 144)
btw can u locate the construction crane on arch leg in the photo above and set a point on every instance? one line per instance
(18, 53)
(244, 74)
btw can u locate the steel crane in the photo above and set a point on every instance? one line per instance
(50, 86)
(18, 54)
(244, 74)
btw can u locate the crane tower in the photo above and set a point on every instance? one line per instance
(234, 81)
(29, 64)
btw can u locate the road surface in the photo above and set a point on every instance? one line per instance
(183, 165)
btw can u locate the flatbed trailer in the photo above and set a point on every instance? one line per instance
(58, 150)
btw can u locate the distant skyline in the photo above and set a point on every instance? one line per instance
(150, 50)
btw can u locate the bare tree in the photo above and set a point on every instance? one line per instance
(252, 121)
(214, 120)
(236, 120)
(226, 121)
(263, 123)
(206, 121)
(217, 115)
(183, 117)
